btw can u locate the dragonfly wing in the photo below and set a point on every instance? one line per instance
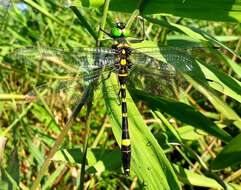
(155, 81)
(61, 61)
(71, 88)
(169, 60)
(160, 70)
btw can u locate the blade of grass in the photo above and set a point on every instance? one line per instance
(221, 106)
(230, 155)
(207, 10)
(154, 170)
(84, 22)
(42, 10)
(182, 112)
(60, 138)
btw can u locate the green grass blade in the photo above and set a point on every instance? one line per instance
(154, 170)
(194, 33)
(235, 66)
(230, 155)
(219, 105)
(51, 179)
(190, 177)
(182, 112)
(219, 10)
(84, 22)
(222, 82)
(42, 10)
(98, 159)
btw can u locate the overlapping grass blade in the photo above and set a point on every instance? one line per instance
(219, 10)
(230, 155)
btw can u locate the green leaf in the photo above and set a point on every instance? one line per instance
(98, 160)
(195, 33)
(235, 66)
(153, 170)
(229, 156)
(190, 177)
(182, 112)
(189, 133)
(43, 116)
(51, 179)
(222, 82)
(219, 10)
(42, 10)
(219, 105)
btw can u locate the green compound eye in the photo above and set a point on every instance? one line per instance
(116, 32)
(126, 33)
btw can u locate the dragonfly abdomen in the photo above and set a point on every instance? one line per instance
(125, 143)
(123, 64)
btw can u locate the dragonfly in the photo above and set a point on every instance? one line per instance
(156, 64)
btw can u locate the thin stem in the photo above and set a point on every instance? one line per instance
(134, 14)
(84, 22)
(103, 22)
(60, 138)
(89, 105)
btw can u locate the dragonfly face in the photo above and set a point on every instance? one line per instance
(119, 31)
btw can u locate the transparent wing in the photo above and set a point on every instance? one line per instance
(159, 70)
(54, 60)
(160, 81)
(179, 58)
(64, 70)
(168, 60)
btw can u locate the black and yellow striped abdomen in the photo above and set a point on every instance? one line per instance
(123, 64)
(125, 143)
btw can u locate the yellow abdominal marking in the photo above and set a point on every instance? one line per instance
(123, 100)
(123, 45)
(126, 142)
(123, 62)
(123, 86)
(123, 75)
(120, 45)
(124, 114)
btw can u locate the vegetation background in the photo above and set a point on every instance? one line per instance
(190, 143)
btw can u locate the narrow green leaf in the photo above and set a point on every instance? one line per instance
(219, 105)
(222, 82)
(51, 179)
(182, 112)
(44, 117)
(219, 10)
(84, 22)
(189, 133)
(235, 66)
(42, 10)
(195, 33)
(153, 170)
(229, 156)
(195, 179)
(98, 160)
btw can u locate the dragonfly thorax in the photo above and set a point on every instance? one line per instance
(123, 52)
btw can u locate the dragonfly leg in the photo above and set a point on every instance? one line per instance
(107, 77)
(143, 30)
(143, 33)
(107, 33)
(119, 98)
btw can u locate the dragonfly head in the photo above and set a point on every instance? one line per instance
(119, 30)
(120, 25)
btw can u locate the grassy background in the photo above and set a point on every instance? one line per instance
(190, 143)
